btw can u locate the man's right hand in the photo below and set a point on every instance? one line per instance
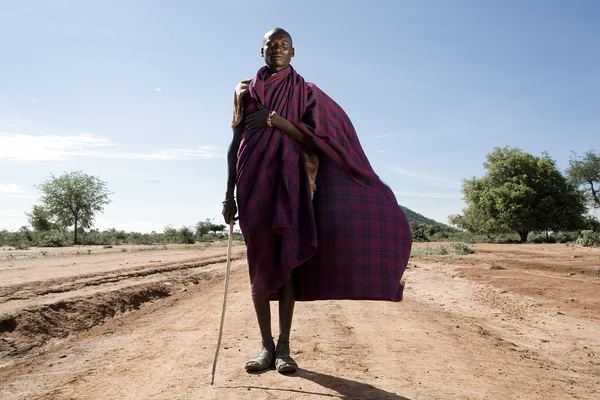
(229, 211)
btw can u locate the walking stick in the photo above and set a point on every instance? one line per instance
(224, 300)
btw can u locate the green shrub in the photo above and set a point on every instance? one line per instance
(589, 238)
(51, 239)
(566, 237)
(462, 249)
(430, 251)
(186, 235)
(452, 249)
(214, 237)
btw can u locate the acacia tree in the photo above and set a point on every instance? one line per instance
(520, 193)
(584, 172)
(74, 198)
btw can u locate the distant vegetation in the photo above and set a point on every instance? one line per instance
(522, 197)
(204, 231)
(450, 249)
(520, 193)
(525, 194)
(71, 199)
(68, 206)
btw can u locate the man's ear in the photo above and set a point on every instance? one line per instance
(262, 52)
(293, 52)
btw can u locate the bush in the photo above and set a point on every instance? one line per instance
(429, 251)
(21, 240)
(452, 249)
(543, 239)
(186, 235)
(462, 249)
(51, 239)
(566, 237)
(214, 237)
(589, 238)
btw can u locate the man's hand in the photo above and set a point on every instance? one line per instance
(258, 119)
(229, 210)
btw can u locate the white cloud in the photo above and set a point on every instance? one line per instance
(25, 148)
(11, 188)
(12, 219)
(429, 195)
(430, 178)
(14, 190)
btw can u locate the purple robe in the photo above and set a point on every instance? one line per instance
(351, 240)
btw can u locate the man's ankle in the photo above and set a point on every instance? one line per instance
(283, 339)
(269, 345)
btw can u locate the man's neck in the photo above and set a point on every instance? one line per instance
(274, 71)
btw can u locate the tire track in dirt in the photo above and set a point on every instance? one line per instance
(91, 301)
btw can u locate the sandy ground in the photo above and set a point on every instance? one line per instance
(507, 322)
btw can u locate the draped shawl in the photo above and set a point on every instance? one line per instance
(351, 240)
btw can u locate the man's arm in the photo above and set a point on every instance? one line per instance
(258, 120)
(229, 206)
(289, 128)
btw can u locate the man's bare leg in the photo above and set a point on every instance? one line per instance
(283, 362)
(265, 358)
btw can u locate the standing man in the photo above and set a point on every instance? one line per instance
(317, 221)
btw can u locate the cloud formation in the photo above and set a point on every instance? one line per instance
(425, 177)
(28, 148)
(11, 188)
(428, 195)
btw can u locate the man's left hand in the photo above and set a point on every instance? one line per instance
(257, 120)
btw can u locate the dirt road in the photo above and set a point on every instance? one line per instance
(508, 322)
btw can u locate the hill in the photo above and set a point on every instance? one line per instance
(416, 217)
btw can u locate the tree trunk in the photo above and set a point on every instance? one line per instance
(523, 235)
(75, 233)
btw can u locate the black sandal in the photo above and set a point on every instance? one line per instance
(285, 364)
(264, 360)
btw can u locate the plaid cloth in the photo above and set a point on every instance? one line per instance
(352, 240)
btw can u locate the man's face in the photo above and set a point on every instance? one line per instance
(277, 51)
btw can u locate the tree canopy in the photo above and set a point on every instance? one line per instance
(520, 193)
(41, 219)
(584, 172)
(73, 199)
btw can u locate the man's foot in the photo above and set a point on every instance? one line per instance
(284, 363)
(262, 361)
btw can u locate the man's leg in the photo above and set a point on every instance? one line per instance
(283, 362)
(264, 359)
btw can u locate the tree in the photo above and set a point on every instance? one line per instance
(74, 198)
(520, 192)
(206, 226)
(584, 172)
(40, 219)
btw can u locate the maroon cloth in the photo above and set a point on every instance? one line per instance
(352, 241)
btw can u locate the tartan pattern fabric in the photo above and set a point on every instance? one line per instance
(352, 240)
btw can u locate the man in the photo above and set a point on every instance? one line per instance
(317, 221)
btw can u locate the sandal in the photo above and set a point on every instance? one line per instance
(285, 364)
(262, 361)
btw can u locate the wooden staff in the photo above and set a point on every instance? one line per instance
(224, 300)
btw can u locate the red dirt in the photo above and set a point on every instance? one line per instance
(466, 329)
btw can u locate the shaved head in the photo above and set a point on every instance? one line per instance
(277, 32)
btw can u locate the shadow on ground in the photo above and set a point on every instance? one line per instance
(347, 389)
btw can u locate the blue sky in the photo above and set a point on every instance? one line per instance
(139, 93)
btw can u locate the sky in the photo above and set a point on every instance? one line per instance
(139, 93)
